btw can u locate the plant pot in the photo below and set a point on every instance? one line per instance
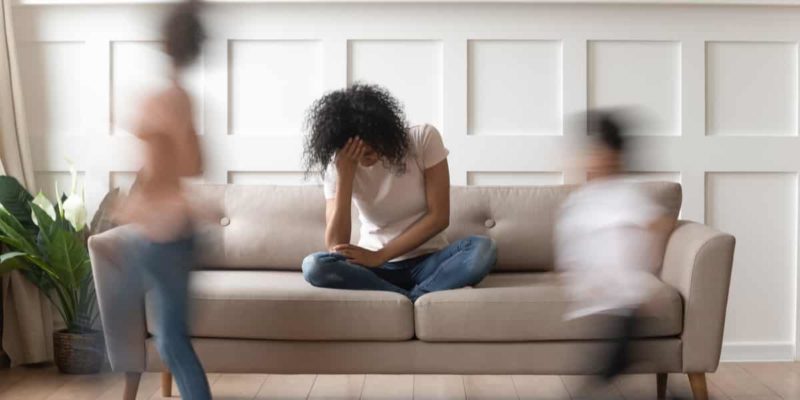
(79, 353)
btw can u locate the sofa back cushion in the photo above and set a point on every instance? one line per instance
(521, 219)
(275, 227)
(259, 227)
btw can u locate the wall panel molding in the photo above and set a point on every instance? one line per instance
(752, 88)
(643, 74)
(761, 210)
(515, 87)
(758, 351)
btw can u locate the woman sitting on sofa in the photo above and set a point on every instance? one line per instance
(399, 180)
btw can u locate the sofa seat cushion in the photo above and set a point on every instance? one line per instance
(510, 307)
(281, 305)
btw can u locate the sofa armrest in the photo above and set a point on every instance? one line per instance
(698, 263)
(120, 300)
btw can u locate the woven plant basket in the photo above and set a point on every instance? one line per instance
(79, 353)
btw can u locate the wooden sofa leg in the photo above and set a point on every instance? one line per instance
(166, 384)
(661, 390)
(131, 385)
(699, 388)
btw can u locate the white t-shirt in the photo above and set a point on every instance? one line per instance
(388, 203)
(604, 246)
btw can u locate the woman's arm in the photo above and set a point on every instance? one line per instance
(337, 217)
(437, 219)
(337, 209)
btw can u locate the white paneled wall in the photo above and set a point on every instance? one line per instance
(761, 68)
(644, 73)
(716, 85)
(272, 82)
(527, 71)
(56, 101)
(410, 69)
(768, 256)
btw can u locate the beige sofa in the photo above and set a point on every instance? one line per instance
(253, 311)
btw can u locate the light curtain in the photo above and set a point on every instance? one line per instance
(27, 315)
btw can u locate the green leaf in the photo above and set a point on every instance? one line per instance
(53, 257)
(44, 276)
(21, 237)
(12, 243)
(16, 200)
(11, 254)
(11, 261)
(66, 253)
(45, 221)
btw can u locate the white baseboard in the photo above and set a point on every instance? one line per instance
(758, 351)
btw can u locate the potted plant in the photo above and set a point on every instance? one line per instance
(47, 243)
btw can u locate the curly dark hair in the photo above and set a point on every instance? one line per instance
(367, 111)
(608, 128)
(183, 33)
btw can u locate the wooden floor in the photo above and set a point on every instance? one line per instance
(741, 381)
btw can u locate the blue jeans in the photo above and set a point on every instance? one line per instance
(165, 269)
(463, 263)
